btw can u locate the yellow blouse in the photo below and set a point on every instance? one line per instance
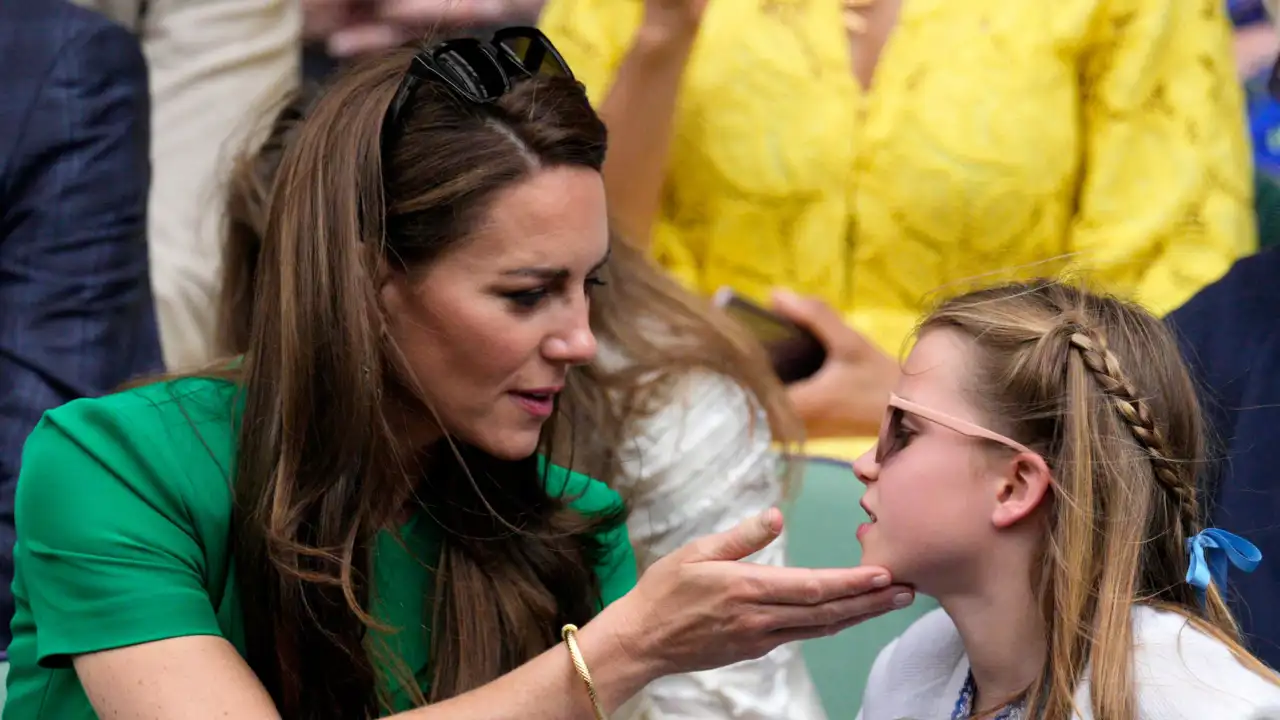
(1000, 138)
(997, 135)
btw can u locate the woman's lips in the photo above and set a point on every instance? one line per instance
(539, 404)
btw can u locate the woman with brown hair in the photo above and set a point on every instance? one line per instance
(682, 408)
(357, 519)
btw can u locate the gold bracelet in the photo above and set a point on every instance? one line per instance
(570, 635)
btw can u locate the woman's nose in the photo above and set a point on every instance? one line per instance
(866, 468)
(575, 347)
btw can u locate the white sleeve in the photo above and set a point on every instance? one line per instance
(1184, 674)
(700, 466)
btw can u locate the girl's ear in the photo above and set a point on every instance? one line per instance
(1021, 490)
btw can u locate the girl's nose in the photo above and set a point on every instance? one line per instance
(866, 467)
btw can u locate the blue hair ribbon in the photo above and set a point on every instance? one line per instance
(1211, 550)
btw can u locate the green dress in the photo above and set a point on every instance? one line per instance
(123, 517)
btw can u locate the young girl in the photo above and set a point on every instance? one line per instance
(1036, 473)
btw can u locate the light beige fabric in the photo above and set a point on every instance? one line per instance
(216, 66)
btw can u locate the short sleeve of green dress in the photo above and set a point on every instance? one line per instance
(123, 512)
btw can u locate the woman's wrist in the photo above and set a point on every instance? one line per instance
(620, 664)
(658, 40)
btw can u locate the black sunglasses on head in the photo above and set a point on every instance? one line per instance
(475, 70)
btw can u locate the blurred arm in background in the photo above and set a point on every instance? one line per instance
(1255, 37)
(76, 311)
(355, 27)
(632, 57)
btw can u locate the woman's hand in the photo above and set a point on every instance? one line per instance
(698, 608)
(672, 19)
(848, 395)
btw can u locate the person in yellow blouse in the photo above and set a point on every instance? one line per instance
(872, 152)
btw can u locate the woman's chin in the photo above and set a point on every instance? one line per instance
(509, 446)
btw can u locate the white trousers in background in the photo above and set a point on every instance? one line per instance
(217, 68)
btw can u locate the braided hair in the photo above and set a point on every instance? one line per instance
(1092, 346)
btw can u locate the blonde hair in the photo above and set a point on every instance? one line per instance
(1096, 385)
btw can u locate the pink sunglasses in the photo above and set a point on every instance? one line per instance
(897, 405)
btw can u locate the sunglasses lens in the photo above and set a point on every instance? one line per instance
(535, 55)
(518, 45)
(888, 431)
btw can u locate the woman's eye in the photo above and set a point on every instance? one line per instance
(533, 297)
(527, 299)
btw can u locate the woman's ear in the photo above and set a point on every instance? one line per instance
(1021, 490)
(392, 286)
(383, 273)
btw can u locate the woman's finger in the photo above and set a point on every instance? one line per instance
(746, 538)
(820, 319)
(808, 586)
(790, 635)
(837, 612)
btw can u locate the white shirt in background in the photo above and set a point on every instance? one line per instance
(700, 466)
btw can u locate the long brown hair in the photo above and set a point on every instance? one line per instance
(321, 469)
(1097, 386)
(661, 330)
(245, 219)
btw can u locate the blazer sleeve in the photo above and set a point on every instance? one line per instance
(76, 316)
(1166, 202)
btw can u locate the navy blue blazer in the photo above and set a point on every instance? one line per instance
(76, 314)
(1230, 335)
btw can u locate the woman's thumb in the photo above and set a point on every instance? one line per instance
(749, 536)
(810, 313)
